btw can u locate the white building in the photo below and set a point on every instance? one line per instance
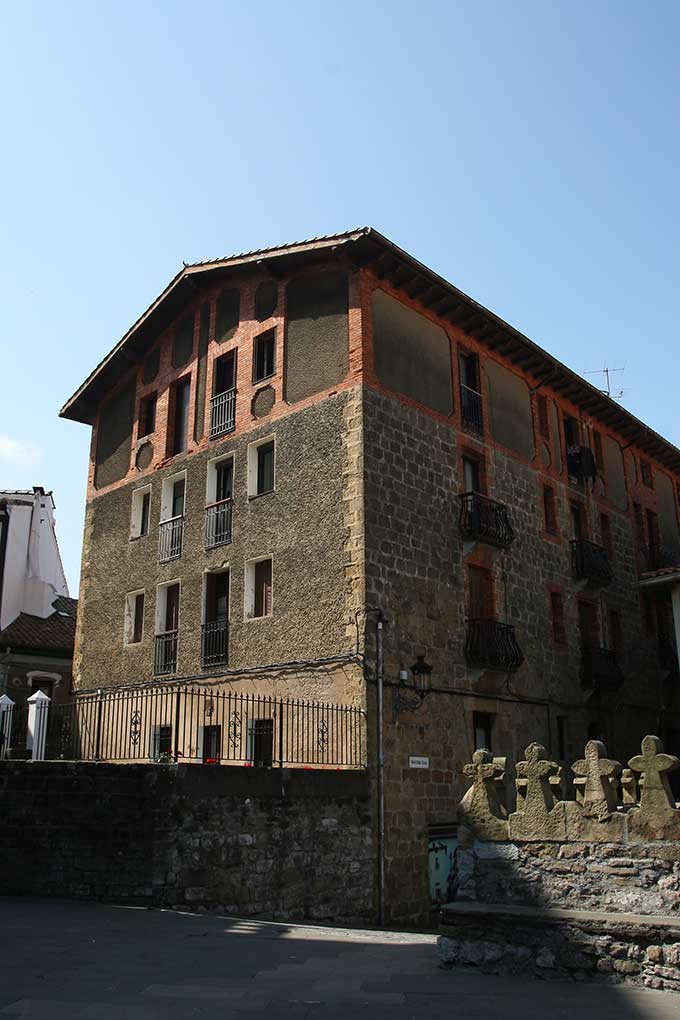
(37, 617)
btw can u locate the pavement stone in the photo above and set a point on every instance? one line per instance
(87, 961)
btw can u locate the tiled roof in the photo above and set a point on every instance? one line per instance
(661, 572)
(55, 633)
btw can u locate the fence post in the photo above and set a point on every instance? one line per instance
(36, 734)
(98, 736)
(6, 712)
(280, 733)
(178, 695)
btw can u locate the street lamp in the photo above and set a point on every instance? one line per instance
(409, 696)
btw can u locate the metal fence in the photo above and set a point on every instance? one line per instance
(188, 723)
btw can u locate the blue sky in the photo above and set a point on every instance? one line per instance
(527, 151)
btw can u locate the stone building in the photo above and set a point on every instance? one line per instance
(288, 440)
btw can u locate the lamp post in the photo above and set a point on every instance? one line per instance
(408, 697)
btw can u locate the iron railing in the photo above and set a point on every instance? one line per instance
(222, 413)
(471, 412)
(483, 519)
(186, 723)
(165, 653)
(590, 562)
(599, 669)
(218, 523)
(170, 535)
(492, 645)
(215, 643)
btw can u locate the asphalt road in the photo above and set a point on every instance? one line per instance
(86, 961)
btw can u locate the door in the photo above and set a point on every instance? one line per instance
(172, 608)
(224, 480)
(480, 593)
(587, 625)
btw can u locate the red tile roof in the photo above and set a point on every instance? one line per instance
(54, 633)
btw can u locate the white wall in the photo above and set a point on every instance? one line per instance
(33, 574)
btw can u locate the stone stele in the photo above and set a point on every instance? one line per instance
(657, 816)
(481, 809)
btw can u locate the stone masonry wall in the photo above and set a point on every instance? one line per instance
(234, 840)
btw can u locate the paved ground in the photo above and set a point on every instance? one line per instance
(85, 961)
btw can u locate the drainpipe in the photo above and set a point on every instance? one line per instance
(381, 768)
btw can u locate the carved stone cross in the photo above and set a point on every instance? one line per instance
(537, 816)
(598, 773)
(656, 818)
(481, 808)
(536, 770)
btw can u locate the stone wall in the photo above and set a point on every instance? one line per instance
(235, 840)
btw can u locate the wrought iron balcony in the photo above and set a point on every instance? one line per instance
(599, 669)
(218, 524)
(222, 413)
(170, 534)
(492, 645)
(165, 655)
(471, 413)
(484, 520)
(215, 643)
(581, 463)
(589, 562)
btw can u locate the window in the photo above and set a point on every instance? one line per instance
(615, 632)
(260, 748)
(472, 417)
(646, 473)
(639, 525)
(264, 355)
(220, 479)
(134, 618)
(141, 505)
(147, 415)
(161, 743)
(218, 513)
(578, 528)
(549, 510)
(606, 532)
(39, 683)
(572, 435)
(258, 589)
(653, 533)
(215, 629)
(597, 450)
(559, 633)
(172, 496)
(542, 412)
(261, 467)
(480, 593)
(178, 498)
(482, 726)
(167, 608)
(210, 749)
(473, 474)
(179, 403)
(223, 402)
(589, 632)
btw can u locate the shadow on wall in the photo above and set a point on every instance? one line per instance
(79, 959)
(588, 887)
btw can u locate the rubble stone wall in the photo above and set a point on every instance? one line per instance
(291, 845)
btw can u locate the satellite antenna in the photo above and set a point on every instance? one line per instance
(607, 389)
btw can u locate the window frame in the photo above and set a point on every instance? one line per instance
(142, 428)
(483, 721)
(267, 334)
(253, 460)
(137, 513)
(249, 589)
(558, 622)
(130, 618)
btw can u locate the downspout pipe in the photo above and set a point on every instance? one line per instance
(379, 670)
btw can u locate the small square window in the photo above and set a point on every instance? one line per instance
(264, 350)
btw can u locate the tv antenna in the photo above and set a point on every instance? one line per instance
(607, 373)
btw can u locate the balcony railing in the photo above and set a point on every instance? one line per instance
(599, 669)
(170, 535)
(165, 656)
(492, 645)
(215, 643)
(218, 524)
(471, 414)
(589, 562)
(484, 520)
(222, 413)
